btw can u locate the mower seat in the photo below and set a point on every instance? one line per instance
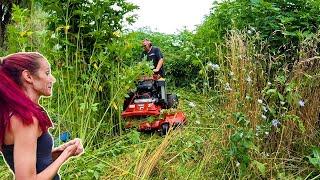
(145, 85)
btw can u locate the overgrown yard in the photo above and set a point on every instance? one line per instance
(248, 80)
(181, 154)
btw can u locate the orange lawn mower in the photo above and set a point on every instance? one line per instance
(147, 101)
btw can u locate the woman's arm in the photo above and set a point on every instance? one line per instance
(25, 147)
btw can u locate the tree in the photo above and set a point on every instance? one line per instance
(6, 14)
(89, 24)
(283, 24)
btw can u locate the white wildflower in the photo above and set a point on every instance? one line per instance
(227, 87)
(92, 23)
(231, 73)
(57, 47)
(176, 43)
(53, 36)
(266, 133)
(237, 164)
(265, 109)
(248, 79)
(275, 122)
(263, 117)
(251, 30)
(213, 66)
(197, 122)
(282, 103)
(269, 83)
(192, 104)
(241, 135)
(216, 67)
(301, 103)
(260, 101)
(115, 7)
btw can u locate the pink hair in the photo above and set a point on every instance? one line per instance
(13, 101)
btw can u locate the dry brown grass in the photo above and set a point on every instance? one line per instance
(148, 160)
(244, 77)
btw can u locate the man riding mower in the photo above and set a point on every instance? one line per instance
(148, 100)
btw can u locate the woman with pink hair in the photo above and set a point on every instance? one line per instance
(25, 142)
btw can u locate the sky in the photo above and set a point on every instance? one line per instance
(169, 16)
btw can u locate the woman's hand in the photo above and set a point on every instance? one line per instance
(71, 148)
(78, 144)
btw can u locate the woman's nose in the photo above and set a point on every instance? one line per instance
(53, 79)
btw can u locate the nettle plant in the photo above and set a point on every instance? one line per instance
(243, 146)
(25, 33)
(241, 142)
(86, 26)
(279, 99)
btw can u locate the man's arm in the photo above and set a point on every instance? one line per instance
(160, 62)
(159, 65)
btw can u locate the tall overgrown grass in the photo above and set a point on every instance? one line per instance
(270, 126)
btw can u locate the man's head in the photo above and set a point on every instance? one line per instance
(146, 44)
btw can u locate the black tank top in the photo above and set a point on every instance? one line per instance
(44, 158)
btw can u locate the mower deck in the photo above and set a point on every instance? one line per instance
(145, 109)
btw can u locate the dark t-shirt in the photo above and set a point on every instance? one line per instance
(155, 55)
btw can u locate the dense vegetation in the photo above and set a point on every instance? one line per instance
(248, 80)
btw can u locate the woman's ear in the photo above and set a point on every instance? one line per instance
(26, 76)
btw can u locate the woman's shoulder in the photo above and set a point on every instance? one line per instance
(16, 128)
(17, 123)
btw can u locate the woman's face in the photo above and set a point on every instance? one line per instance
(43, 79)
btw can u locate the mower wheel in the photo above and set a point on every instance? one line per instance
(172, 101)
(164, 129)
